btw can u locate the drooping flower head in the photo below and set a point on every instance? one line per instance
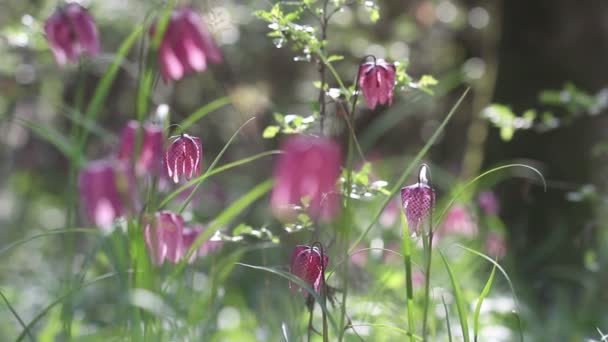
(164, 237)
(186, 46)
(308, 263)
(418, 201)
(377, 80)
(488, 202)
(183, 157)
(71, 31)
(459, 221)
(307, 171)
(104, 187)
(189, 235)
(150, 157)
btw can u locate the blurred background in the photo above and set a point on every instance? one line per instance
(538, 96)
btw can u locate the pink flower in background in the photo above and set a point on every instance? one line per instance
(103, 185)
(150, 157)
(459, 221)
(71, 31)
(495, 245)
(308, 264)
(183, 157)
(377, 80)
(186, 46)
(418, 201)
(189, 235)
(390, 215)
(309, 168)
(360, 255)
(164, 237)
(488, 203)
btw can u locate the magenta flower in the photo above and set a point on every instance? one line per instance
(189, 235)
(488, 203)
(164, 237)
(495, 245)
(308, 263)
(183, 157)
(377, 80)
(418, 201)
(186, 45)
(150, 157)
(307, 172)
(103, 187)
(459, 221)
(71, 31)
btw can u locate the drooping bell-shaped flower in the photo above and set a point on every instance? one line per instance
(308, 263)
(488, 202)
(183, 157)
(307, 172)
(189, 235)
(164, 237)
(418, 201)
(151, 154)
(71, 31)
(187, 45)
(104, 186)
(377, 80)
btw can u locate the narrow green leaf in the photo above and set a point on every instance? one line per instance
(447, 319)
(408, 170)
(103, 88)
(55, 138)
(14, 312)
(300, 283)
(482, 296)
(407, 260)
(462, 310)
(48, 233)
(202, 112)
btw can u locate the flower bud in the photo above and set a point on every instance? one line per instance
(183, 157)
(377, 80)
(418, 201)
(308, 264)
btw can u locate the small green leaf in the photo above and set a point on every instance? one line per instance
(271, 131)
(334, 58)
(462, 311)
(482, 296)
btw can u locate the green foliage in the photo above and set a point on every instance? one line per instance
(507, 121)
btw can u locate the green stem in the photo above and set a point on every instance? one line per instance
(407, 259)
(428, 247)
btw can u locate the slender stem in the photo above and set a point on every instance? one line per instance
(322, 106)
(427, 283)
(407, 259)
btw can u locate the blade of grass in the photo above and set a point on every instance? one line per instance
(221, 220)
(14, 312)
(60, 299)
(409, 169)
(482, 296)
(212, 166)
(447, 319)
(48, 233)
(202, 112)
(504, 273)
(300, 283)
(55, 138)
(216, 171)
(103, 89)
(462, 311)
(485, 174)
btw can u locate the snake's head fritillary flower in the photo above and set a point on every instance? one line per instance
(183, 157)
(104, 186)
(307, 171)
(418, 201)
(460, 221)
(495, 245)
(187, 45)
(189, 235)
(377, 80)
(488, 202)
(150, 157)
(308, 263)
(164, 237)
(71, 32)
